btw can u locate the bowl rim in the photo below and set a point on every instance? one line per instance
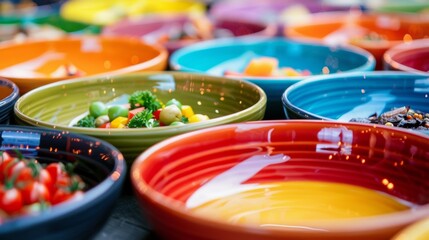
(135, 132)
(115, 179)
(244, 41)
(161, 57)
(145, 192)
(403, 48)
(14, 95)
(295, 87)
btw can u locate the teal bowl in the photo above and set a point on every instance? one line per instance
(217, 56)
(347, 96)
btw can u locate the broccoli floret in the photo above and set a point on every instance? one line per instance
(143, 119)
(144, 99)
(88, 121)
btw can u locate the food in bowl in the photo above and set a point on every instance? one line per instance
(29, 187)
(297, 179)
(404, 117)
(141, 109)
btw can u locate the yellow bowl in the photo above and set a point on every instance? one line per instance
(110, 11)
(416, 231)
(38, 62)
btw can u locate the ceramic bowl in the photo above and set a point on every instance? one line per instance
(101, 166)
(152, 28)
(409, 57)
(280, 12)
(35, 63)
(223, 100)
(223, 55)
(345, 96)
(416, 231)
(108, 12)
(398, 6)
(174, 177)
(375, 32)
(9, 93)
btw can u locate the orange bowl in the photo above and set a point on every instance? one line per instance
(374, 32)
(38, 62)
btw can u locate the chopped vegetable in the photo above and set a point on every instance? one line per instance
(144, 99)
(142, 119)
(87, 121)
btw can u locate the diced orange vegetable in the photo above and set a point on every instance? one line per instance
(198, 118)
(290, 72)
(119, 122)
(262, 67)
(187, 111)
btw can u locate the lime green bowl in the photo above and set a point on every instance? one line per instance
(58, 105)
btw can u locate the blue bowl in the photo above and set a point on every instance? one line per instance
(214, 57)
(344, 96)
(9, 93)
(101, 166)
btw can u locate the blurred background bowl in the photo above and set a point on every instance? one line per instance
(223, 55)
(155, 28)
(279, 12)
(35, 63)
(410, 56)
(223, 100)
(399, 6)
(9, 93)
(108, 12)
(416, 231)
(101, 166)
(169, 176)
(356, 95)
(375, 32)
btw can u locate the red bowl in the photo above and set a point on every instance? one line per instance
(150, 28)
(170, 173)
(410, 56)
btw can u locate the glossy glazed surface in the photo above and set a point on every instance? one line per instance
(416, 231)
(152, 27)
(223, 100)
(168, 174)
(349, 28)
(101, 166)
(234, 54)
(9, 93)
(33, 63)
(356, 95)
(409, 57)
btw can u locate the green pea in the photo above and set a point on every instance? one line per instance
(97, 109)
(117, 111)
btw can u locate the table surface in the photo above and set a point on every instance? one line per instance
(126, 222)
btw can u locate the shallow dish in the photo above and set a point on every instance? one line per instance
(409, 57)
(35, 63)
(375, 32)
(9, 93)
(101, 166)
(173, 177)
(345, 96)
(222, 55)
(223, 100)
(156, 27)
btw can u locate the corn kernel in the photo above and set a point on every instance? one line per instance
(119, 122)
(198, 118)
(187, 111)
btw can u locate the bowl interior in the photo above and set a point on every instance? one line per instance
(360, 94)
(410, 57)
(171, 175)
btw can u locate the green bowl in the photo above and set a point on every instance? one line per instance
(224, 100)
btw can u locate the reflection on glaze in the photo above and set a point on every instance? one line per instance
(29, 68)
(230, 181)
(340, 140)
(376, 103)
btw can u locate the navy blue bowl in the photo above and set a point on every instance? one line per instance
(101, 166)
(9, 93)
(344, 96)
(214, 57)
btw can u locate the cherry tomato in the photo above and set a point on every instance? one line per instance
(10, 200)
(35, 192)
(157, 113)
(54, 169)
(62, 195)
(45, 179)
